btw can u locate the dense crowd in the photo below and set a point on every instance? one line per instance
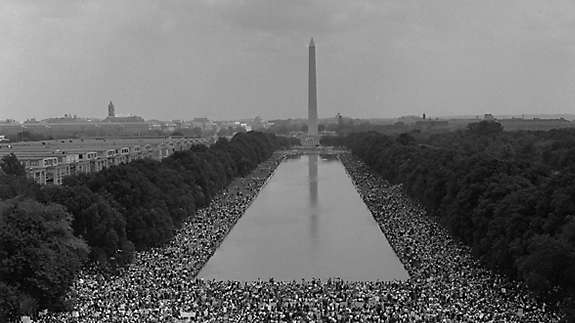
(446, 284)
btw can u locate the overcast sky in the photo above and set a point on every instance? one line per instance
(228, 59)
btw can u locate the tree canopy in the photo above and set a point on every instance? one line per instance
(48, 232)
(509, 196)
(39, 255)
(11, 166)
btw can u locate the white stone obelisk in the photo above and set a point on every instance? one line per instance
(312, 131)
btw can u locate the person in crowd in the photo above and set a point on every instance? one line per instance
(446, 283)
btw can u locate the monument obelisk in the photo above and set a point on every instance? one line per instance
(313, 139)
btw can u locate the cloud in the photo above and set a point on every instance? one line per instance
(295, 16)
(224, 57)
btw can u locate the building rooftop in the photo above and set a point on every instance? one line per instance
(50, 148)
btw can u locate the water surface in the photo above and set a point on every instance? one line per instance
(307, 222)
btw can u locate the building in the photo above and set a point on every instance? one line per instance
(203, 123)
(312, 138)
(258, 123)
(514, 124)
(47, 162)
(111, 110)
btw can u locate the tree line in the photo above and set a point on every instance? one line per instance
(47, 233)
(510, 196)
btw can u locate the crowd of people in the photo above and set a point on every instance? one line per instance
(446, 284)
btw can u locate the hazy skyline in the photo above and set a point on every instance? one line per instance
(229, 59)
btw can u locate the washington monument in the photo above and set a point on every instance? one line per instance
(312, 133)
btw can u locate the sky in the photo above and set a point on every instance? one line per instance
(232, 59)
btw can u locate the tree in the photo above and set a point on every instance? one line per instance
(485, 127)
(95, 220)
(136, 205)
(509, 196)
(11, 166)
(39, 255)
(405, 139)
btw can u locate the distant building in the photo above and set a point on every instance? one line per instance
(47, 162)
(202, 123)
(312, 138)
(432, 124)
(246, 126)
(488, 116)
(125, 119)
(67, 118)
(10, 127)
(111, 110)
(258, 123)
(31, 121)
(113, 118)
(535, 124)
(136, 122)
(326, 133)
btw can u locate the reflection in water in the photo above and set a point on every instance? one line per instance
(293, 230)
(313, 192)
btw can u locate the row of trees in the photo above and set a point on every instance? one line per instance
(48, 232)
(516, 211)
